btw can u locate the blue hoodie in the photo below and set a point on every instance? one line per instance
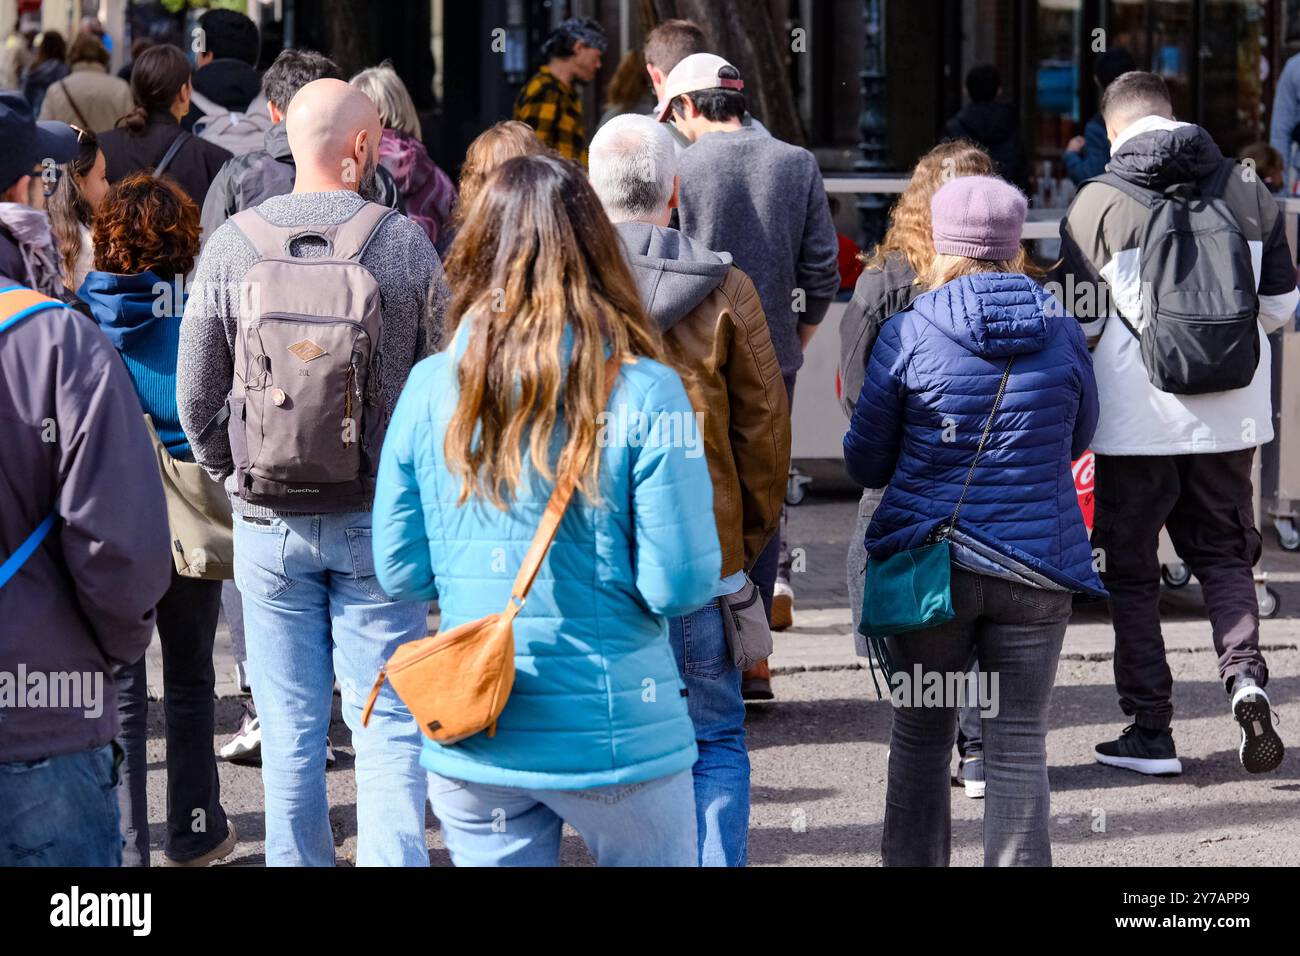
(147, 338)
(930, 386)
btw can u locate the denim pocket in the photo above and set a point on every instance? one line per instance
(259, 557)
(1041, 599)
(363, 564)
(704, 642)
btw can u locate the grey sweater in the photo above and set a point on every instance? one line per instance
(762, 200)
(400, 257)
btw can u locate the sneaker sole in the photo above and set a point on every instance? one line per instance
(974, 788)
(219, 852)
(1261, 748)
(1151, 766)
(757, 692)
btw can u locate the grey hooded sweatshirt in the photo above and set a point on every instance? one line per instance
(74, 442)
(673, 272)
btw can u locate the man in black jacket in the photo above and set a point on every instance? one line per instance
(992, 123)
(227, 64)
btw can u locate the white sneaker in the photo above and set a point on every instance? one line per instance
(246, 744)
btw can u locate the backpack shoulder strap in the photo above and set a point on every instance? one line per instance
(351, 237)
(17, 302)
(268, 240)
(1147, 197)
(1214, 185)
(205, 105)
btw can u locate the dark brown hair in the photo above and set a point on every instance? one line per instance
(158, 75)
(146, 224)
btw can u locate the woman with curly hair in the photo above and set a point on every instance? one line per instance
(146, 237)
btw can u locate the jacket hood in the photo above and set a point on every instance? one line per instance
(1161, 158)
(230, 83)
(123, 305)
(992, 121)
(673, 272)
(991, 314)
(406, 158)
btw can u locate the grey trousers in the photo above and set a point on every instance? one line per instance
(1016, 632)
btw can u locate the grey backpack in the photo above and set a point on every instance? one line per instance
(239, 132)
(306, 419)
(1200, 310)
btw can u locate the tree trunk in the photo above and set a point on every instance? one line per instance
(744, 33)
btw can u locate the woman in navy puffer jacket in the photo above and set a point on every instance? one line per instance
(1020, 548)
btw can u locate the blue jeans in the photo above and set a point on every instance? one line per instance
(61, 811)
(721, 771)
(314, 612)
(640, 824)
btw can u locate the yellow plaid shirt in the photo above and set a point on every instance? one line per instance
(554, 110)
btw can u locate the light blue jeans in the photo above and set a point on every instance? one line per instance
(313, 612)
(639, 824)
(61, 811)
(721, 771)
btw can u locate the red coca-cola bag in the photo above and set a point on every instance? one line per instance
(1085, 475)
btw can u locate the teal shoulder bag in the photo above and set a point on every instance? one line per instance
(912, 589)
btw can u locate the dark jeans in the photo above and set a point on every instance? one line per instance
(196, 823)
(1016, 632)
(773, 561)
(1206, 504)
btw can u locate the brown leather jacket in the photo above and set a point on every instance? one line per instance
(716, 336)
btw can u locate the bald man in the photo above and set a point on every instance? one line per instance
(313, 611)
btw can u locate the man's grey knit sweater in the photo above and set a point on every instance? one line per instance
(400, 257)
(748, 193)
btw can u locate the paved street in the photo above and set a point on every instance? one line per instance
(819, 751)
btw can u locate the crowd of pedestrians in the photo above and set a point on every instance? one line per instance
(563, 386)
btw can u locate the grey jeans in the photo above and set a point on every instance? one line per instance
(1016, 632)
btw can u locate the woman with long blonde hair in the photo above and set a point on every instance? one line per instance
(595, 732)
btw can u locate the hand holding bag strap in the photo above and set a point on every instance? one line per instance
(554, 513)
(979, 449)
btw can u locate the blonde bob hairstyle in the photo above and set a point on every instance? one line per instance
(391, 98)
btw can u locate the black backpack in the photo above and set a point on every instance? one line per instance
(1200, 311)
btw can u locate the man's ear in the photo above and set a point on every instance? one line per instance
(17, 193)
(276, 115)
(675, 199)
(1111, 133)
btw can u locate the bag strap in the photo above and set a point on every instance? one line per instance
(979, 449)
(20, 302)
(1147, 197)
(554, 513)
(172, 150)
(85, 123)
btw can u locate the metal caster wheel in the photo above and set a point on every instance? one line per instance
(1287, 535)
(795, 488)
(1270, 602)
(1175, 575)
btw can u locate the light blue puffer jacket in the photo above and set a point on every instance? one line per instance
(597, 698)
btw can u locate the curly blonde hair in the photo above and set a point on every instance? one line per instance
(909, 221)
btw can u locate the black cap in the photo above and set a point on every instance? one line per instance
(27, 143)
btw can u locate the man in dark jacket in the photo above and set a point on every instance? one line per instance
(1086, 156)
(1178, 461)
(226, 78)
(713, 325)
(245, 181)
(84, 557)
(992, 123)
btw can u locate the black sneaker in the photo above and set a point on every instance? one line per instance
(1143, 750)
(1261, 748)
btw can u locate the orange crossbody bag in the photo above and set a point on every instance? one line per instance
(456, 684)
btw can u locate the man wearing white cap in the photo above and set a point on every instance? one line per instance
(747, 193)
